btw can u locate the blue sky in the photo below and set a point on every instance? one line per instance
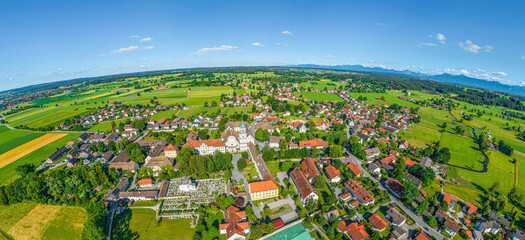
(44, 41)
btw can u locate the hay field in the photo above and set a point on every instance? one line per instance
(24, 149)
(31, 221)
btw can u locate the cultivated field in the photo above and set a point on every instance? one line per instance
(463, 151)
(32, 221)
(36, 157)
(24, 149)
(321, 85)
(10, 139)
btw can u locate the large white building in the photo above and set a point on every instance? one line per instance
(236, 138)
(207, 147)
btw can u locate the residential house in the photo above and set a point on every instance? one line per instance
(451, 227)
(425, 162)
(469, 208)
(359, 192)
(488, 226)
(171, 151)
(413, 179)
(123, 162)
(450, 199)
(56, 155)
(403, 145)
(309, 169)
(354, 169)
(331, 214)
(354, 230)
(306, 191)
(394, 187)
(146, 182)
(400, 233)
(372, 152)
(156, 164)
(274, 141)
(334, 175)
(236, 226)
(377, 222)
(395, 217)
(421, 236)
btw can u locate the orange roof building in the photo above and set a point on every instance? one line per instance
(207, 147)
(377, 222)
(422, 236)
(354, 169)
(359, 192)
(145, 182)
(314, 143)
(263, 190)
(171, 151)
(334, 175)
(236, 226)
(309, 169)
(306, 191)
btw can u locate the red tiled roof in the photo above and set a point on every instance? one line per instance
(209, 142)
(448, 197)
(354, 169)
(422, 236)
(332, 172)
(359, 191)
(471, 208)
(313, 143)
(309, 168)
(263, 186)
(377, 222)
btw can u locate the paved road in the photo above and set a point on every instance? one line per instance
(238, 176)
(417, 219)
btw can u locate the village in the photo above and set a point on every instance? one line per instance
(370, 188)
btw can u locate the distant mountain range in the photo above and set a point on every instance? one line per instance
(449, 78)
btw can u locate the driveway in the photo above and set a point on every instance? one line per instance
(238, 176)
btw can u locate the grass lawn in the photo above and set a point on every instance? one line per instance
(321, 85)
(318, 96)
(390, 98)
(420, 136)
(10, 139)
(273, 167)
(464, 151)
(36, 157)
(142, 224)
(105, 126)
(521, 173)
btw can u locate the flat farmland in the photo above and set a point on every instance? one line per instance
(10, 139)
(31, 221)
(318, 96)
(36, 157)
(26, 148)
(105, 126)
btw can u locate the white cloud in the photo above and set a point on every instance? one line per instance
(223, 48)
(522, 57)
(10, 77)
(426, 44)
(480, 74)
(522, 82)
(123, 50)
(147, 39)
(148, 47)
(380, 24)
(134, 36)
(469, 46)
(257, 44)
(331, 56)
(441, 38)
(142, 65)
(287, 33)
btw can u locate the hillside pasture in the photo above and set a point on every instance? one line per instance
(463, 151)
(321, 85)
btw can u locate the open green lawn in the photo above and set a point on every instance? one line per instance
(419, 136)
(142, 224)
(318, 96)
(321, 85)
(105, 126)
(463, 151)
(390, 98)
(36, 157)
(521, 173)
(10, 139)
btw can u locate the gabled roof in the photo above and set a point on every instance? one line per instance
(332, 172)
(354, 169)
(263, 186)
(452, 225)
(377, 222)
(309, 168)
(209, 142)
(449, 197)
(302, 184)
(313, 143)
